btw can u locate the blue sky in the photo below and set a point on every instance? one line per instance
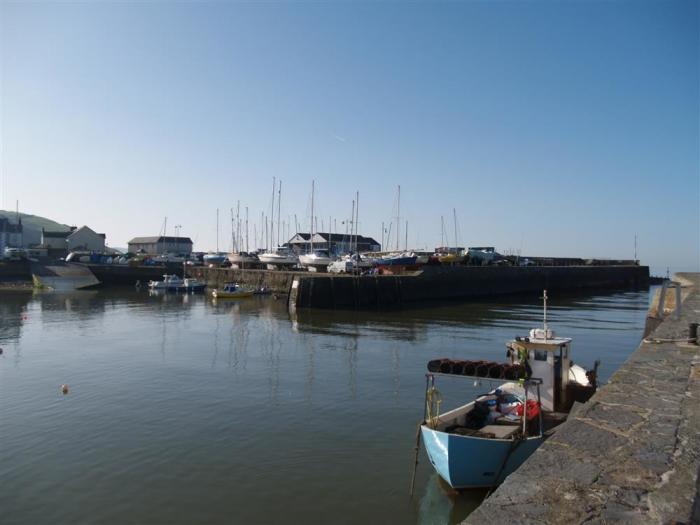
(554, 128)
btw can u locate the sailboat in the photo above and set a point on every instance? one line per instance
(237, 258)
(314, 260)
(477, 445)
(282, 255)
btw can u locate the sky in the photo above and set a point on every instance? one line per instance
(551, 128)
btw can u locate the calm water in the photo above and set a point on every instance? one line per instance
(185, 411)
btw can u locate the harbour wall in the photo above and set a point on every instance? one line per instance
(453, 282)
(632, 453)
(275, 281)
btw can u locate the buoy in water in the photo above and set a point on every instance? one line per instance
(64, 389)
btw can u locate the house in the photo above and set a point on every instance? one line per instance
(85, 238)
(74, 239)
(336, 243)
(161, 245)
(11, 235)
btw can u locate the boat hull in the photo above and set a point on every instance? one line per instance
(218, 294)
(466, 462)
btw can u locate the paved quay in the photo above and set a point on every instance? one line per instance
(629, 455)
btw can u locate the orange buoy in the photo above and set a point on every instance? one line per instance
(64, 389)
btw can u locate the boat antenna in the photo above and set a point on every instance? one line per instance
(544, 297)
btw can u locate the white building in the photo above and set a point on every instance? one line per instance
(85, 238)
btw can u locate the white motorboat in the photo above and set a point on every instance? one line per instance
(283, 256)
(318, 260)
(242, 259)
(169, 282)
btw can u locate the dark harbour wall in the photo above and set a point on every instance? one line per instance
(436, 283)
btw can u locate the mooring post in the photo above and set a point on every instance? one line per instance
(662, 300)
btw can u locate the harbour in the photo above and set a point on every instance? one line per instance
(243, 409)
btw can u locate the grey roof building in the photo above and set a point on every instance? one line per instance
(337, 243)
(159, 245)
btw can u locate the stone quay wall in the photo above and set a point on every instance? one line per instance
(629, 455)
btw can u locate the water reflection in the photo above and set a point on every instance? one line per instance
(237, 398)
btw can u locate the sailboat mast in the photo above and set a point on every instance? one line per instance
(352, 223)
(454, 213)
(357, 217)
(311, 233)
(279, 201)
(398, 218)
(217, 230)
(442, 230)
(238, 226)
(246, 229)
(233, 238)
(272, 213)
(405, 246)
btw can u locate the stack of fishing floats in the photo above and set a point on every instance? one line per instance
(487, 369)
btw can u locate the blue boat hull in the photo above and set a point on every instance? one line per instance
(474, 462)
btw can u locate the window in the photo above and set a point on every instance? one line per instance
(540, 355)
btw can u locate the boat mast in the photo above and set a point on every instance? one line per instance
(357, 219)
(279, 201)
(454, 212)
(246, 228)
(352, 223)
(272, 216)
(442, 230)
(217, 230)
(233, 238)
(311, 233)
(398, 218)
(405, 246)
(238, 226)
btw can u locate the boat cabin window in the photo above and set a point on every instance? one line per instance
(540, 355)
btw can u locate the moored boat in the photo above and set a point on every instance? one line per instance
(169, 282)
(231, 291)
(479, 444)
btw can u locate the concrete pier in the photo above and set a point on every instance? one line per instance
(629, 455)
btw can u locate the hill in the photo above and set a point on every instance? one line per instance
(33, 224)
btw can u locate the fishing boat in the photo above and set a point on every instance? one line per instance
(232, 291)
(477, 445)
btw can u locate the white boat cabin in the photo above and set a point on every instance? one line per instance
(549, 359)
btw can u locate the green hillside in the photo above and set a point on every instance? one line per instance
(33, 224)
